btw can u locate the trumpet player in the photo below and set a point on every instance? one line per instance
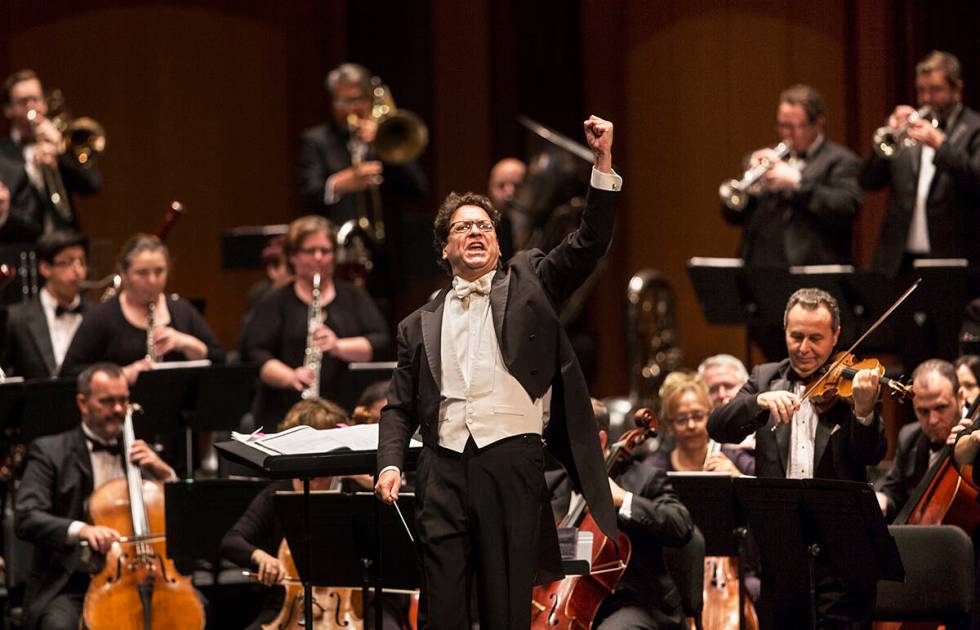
(36, 145)
(934, 174)
(807, 196)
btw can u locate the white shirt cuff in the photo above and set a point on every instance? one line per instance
(866, 420)
(329, 196)
(626, 509)
(387, 468)
(72, 536)
(606, 181)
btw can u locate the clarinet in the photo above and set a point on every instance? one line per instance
(313, 356)
(151, 354)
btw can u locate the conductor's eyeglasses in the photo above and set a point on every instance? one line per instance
(462, 227)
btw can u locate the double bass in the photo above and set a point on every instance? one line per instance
(138, 588)
(572, 603)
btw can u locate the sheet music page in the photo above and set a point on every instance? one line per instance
(304, 440)
(176, 365)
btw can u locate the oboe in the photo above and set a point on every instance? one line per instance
(313, 356)
(151, 353)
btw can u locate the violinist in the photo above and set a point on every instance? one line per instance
(650, 513)
(61, 473)
(253, 542)
(937, 410)
(796, 438)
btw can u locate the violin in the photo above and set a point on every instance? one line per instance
(333, 608)
(837, 378)
(572, 603)
(138, 588)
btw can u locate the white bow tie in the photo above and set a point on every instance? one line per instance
(464, 288)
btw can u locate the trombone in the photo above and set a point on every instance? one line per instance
(81, 138)
(735, 192)
(887, 141)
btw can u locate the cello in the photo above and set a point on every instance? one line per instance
(572, 603)
(139, 587)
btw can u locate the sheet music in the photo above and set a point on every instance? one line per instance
(305, 440)
(176, 365)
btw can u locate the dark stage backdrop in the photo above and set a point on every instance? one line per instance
(204, 100)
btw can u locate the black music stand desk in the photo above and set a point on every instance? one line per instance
(345, 529)
(809, 522)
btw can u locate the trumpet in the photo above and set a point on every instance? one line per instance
(735, 192)
(887, 141)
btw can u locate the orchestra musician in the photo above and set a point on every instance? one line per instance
(253, 542)
(276, 335)
(483, 370)
(799, 438)
(809, 198)
(506, 177)
(685, 407)
(371, 402)
(723, 375)
(33, 146)
(967, 368)
(934, 185)
(11, 231)
(650, 513)
(40, 331)
(937, 410)
(328, 181)
(117, 331)
(50, 510)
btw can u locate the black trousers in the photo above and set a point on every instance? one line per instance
(840, 605)
(479, 520)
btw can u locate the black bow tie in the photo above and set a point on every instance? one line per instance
(60, 310)
(112, 449)
(933, 446)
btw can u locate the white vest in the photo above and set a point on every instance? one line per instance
(479, 396)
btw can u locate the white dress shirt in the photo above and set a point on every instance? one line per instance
(62, 329)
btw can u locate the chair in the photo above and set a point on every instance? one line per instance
(939, 576)
(686, 566)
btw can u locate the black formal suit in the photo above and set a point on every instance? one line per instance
(323, 152)
(27, 350)
(911, 463)
(21, 226)
(54, 491)
(34, 211)
(807, 226)
(842, 448)
(952, 205)
(524, 300)
(657, 519)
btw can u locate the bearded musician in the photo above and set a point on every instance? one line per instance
(51, 505)
(800, 438)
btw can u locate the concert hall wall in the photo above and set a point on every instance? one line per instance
(203, 101)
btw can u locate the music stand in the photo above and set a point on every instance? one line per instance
(241, 247)
(710, 499)
(835, 524)
(200, 513)
(48, 408)
(345, 530)
(203, 398)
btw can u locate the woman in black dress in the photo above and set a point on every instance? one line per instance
(276, 335)
(116, 331)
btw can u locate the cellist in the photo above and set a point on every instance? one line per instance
(801, 439)
(650, 513)
(51, 507)
(937, 409)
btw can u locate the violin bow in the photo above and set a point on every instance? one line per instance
(891, 309)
